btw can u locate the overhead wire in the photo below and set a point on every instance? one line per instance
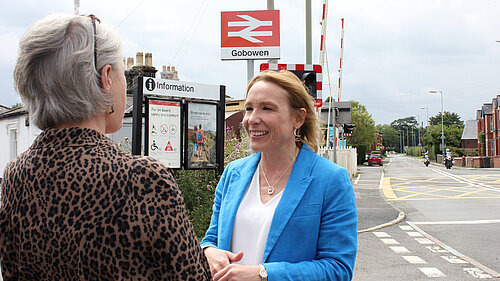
(203, 7)
(137, 7)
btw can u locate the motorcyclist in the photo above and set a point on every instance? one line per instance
(426, 159)
(449, 159)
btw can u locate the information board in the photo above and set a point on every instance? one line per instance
(164, 132)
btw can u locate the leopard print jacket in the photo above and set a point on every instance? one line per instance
(77, 207)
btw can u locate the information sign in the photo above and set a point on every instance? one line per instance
(164, 132)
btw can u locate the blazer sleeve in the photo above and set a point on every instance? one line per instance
(337, 241)
(212, 234)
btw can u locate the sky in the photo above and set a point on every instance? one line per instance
(395, 51)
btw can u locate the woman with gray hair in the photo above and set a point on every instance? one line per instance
(74, 205)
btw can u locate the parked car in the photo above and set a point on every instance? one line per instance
(375, 159)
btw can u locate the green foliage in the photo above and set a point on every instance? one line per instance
(361, 150)
(364, 132)
(16, 105)
(198, 187)
(390, 137)
(404, 124)
(413, 151)
(449, 118)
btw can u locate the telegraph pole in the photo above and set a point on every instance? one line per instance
(308, 33)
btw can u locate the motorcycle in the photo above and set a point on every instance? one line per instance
(427, 162)
(448, 162)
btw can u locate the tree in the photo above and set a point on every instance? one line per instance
(403, 124)
(364, 132)
(449, 118)
(390, 137)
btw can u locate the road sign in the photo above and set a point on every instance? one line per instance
(250, 35)
(303, 67)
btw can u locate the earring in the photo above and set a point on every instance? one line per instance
(110, 110)
(297, 135)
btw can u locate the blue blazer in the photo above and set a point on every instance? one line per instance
(313, 234)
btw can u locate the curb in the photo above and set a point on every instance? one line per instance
(401, 214)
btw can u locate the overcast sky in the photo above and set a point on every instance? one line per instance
(394, 51)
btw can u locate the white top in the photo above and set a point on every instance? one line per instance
(252, 223)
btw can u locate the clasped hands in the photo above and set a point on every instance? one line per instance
(223, 269)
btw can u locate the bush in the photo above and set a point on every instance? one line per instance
(361, 150)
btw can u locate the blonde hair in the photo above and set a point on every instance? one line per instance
(298, 97)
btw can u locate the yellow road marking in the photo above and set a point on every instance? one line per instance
(387, 189)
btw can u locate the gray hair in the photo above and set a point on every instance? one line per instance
(55, 73)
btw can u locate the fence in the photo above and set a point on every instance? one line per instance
(346, 157)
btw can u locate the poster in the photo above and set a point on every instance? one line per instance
(164, 132)
(201, 135)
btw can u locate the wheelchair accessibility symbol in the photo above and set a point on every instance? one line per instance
(154, 147)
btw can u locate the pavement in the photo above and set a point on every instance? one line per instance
(374, 212)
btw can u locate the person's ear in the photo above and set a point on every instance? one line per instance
(106, 78)
(300, 117)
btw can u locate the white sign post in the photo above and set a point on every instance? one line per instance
(165, 132)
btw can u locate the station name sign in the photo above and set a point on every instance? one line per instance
(250, 35)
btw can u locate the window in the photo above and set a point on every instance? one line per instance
(13, 143)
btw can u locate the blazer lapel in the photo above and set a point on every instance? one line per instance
(232, 200)
(297, 184)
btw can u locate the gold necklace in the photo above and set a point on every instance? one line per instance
(270, 188)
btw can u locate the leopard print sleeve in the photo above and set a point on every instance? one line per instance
(159, 219)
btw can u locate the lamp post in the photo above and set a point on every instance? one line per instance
(427, 111)
(442, 118)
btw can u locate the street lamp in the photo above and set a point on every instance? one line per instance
(427, 111)
(442, 118)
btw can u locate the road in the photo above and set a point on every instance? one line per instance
(452, 225)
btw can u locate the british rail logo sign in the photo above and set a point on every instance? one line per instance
(250, 35)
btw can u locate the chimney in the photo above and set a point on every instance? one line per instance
(149, 59)
(175, 76)
(130, 63)
(139, 60)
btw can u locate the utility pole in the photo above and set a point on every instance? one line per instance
(308, 33)
(77, 7)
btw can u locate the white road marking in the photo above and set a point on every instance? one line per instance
(389, 241)
(414, 259)
(399, 249)
(424, 241)
(466, 181)
(432, 272)
(381, 234)
(478, 273)
(414, 234)
(405, 227)
(437, 249)
(453, 259)
(458, 222)
(480, 267)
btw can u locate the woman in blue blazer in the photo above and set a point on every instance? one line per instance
(284, 213)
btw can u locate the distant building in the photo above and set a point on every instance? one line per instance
(469, 142)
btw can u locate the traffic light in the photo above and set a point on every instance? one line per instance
(309, 79)
(348, 128)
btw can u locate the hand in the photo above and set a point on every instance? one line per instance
(238, 272)
(219, 259)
